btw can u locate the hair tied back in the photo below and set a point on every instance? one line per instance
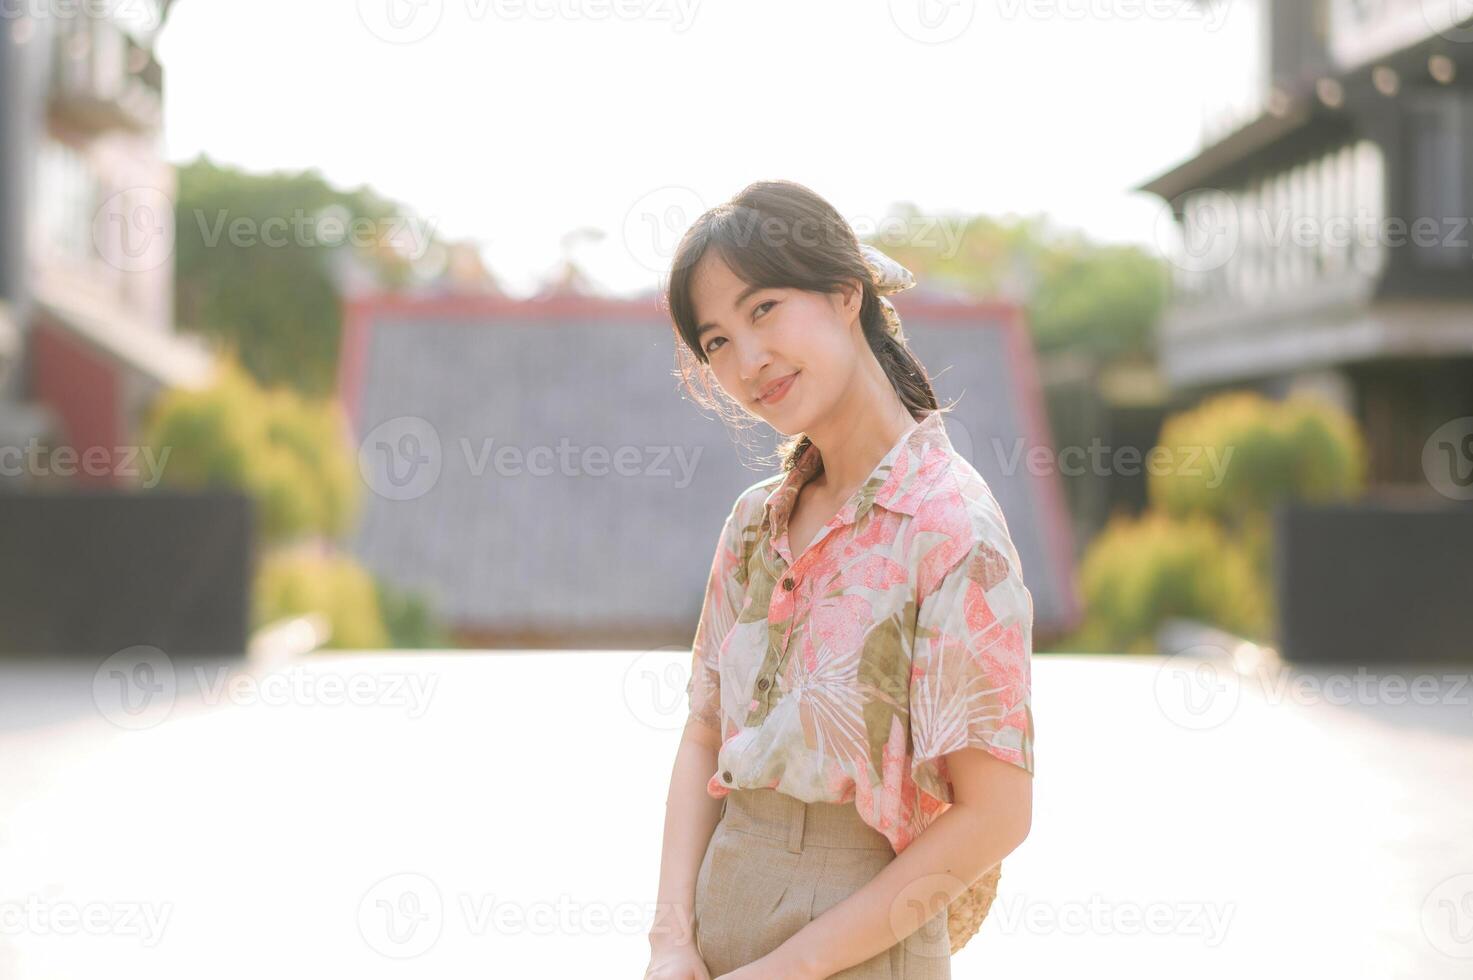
(889, 277)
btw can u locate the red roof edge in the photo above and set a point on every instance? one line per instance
(1028, 387)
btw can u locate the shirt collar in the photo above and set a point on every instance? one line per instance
(897, 483)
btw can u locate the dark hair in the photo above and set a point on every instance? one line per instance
(780, 234)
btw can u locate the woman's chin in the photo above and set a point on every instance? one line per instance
(787, 423)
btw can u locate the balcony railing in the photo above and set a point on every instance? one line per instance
(103, 78)
(1316, 223)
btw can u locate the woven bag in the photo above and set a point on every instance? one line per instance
(965, 913)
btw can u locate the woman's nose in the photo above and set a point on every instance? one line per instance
(752, 356)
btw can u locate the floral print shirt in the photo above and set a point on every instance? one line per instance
(902, 633)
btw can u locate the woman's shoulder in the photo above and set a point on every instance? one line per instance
(961, 516)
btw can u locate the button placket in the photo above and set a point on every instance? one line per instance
(758, 707)
(767, 681)
(788, 582)
(789, 585)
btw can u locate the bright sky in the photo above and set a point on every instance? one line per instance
(515, 122)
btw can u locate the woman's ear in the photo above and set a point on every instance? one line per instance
(851, 297)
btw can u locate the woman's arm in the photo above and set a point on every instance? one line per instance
(691, 815)
(991, 816)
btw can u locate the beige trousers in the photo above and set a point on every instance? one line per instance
(774, 864)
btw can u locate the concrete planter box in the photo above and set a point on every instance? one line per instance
(95, 572)
(1374, 583)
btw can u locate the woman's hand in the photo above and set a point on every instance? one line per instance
(676, 963)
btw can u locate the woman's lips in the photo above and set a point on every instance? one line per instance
(777, 392)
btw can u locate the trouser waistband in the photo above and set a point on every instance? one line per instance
(769, 813)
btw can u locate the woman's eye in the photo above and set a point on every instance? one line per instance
(710, 348)
(761, 306)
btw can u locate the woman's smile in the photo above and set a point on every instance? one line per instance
(776, 391)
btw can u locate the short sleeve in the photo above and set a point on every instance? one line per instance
(971, 677)
(719, 609)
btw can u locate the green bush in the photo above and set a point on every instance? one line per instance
(312, 438)
(410, 619)
(206, 434)
(293, 583)
(1202, 550)
(1140, 572)
(1302, 448)
(292, 455)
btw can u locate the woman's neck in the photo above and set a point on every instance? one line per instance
(854, 440)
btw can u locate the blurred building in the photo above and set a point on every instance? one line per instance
(87, 335)
(1326, 239)
(535, 469)
(1098, 402)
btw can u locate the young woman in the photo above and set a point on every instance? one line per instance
(861, 666)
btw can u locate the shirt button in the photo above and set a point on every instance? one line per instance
(726, 776)
(763, 684)
(788, 585)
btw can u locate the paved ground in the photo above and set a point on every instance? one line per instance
(467, 815)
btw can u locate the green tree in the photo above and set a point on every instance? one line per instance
(1077, 293)
(258, 259)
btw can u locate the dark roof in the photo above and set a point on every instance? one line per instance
(581, 553)
(1232, 152)
(1270, 140)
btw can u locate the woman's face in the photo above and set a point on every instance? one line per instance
(785, 355)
